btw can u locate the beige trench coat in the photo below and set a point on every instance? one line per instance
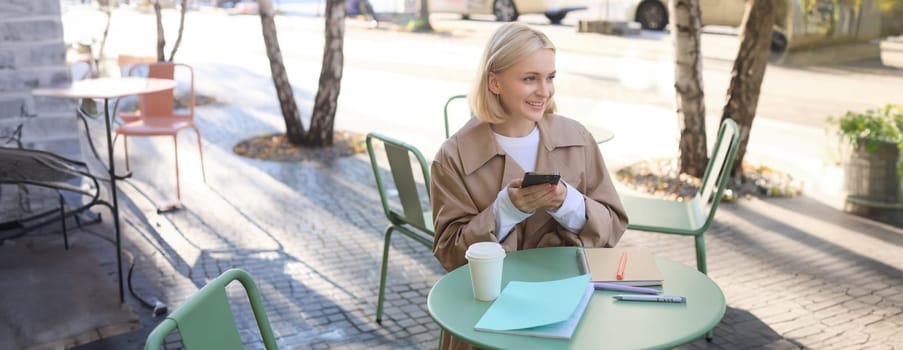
(471, 168)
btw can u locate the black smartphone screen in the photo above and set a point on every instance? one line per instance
(536, 177)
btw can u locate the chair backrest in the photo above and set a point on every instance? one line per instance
(205, 320)
(399, 155)
(40, 168)
(163, 103)
(127, 64)
(718, 171)
(457, 113)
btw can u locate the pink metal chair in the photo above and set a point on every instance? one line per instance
(157, 117)
(130, 65)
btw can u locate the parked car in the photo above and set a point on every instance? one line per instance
(653, 15)
(226, 4)
(245, 7)
(508, 10)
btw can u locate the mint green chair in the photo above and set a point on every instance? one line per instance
(205, 321)
(691, 218)
(413, 221)
(450, 102)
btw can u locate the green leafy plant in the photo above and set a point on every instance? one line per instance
(873, 127)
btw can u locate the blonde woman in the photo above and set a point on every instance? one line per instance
(477, 173)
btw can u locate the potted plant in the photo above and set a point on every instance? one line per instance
(872, 168)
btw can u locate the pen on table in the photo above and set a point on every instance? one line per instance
(655, 298)
(621, 266)
(621, 288)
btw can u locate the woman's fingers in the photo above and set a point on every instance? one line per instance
(528, 199)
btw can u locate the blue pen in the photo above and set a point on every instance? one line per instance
(622, 288)
(654, 298)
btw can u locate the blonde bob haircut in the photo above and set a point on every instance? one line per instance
(509, 44)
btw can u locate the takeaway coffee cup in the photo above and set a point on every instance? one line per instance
(486, 260)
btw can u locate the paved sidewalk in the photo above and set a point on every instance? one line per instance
(796, 273)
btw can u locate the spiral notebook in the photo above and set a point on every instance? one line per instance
(602, 263)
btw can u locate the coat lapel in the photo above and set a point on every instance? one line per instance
(553, 137)
(512, 170)
(476, 145)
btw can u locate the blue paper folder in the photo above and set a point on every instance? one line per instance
(550, 309)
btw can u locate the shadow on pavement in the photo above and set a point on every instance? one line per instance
(307, 232)
(739, 329)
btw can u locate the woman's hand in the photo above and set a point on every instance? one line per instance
(542, 196)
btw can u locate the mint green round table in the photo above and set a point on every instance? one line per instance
(599, 133)
(605, 324)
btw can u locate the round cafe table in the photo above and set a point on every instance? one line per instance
(599, 133)
(106, 89)
(606, 323)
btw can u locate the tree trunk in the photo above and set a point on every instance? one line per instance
(161, 40)
(749, 71)
(425, 25)
(686, 29)
(97, 61)
(294, 129)
(326, 101)
(175, 46)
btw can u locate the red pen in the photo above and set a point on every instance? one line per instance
(621, 266)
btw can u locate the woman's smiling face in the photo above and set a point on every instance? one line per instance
(526, 88)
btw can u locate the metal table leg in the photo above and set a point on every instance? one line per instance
(115, 205)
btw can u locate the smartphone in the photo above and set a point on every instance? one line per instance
(540, 177)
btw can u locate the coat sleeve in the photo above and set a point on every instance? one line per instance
(457, 221)
(606, 219)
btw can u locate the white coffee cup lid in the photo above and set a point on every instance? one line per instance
(484, 250)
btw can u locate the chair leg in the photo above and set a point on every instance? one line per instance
(63, 222)
(382, 275)
(175, 142)
(701, 266)
(125, 142)
(700, 254)
(201, 152)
